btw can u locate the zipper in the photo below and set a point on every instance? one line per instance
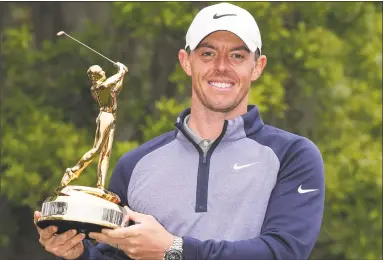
(191, 140)
(213, 146)
(203, 168)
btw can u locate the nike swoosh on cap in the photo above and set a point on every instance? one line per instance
(216, 16)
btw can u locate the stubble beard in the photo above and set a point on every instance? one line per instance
(205, 102)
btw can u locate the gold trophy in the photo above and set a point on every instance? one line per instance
(89, 209)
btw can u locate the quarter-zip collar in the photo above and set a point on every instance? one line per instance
(204, 144)
(237, 128)
(234, 129)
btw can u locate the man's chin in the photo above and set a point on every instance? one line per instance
(221, 109)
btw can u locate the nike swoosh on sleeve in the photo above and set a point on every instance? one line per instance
(301, 191)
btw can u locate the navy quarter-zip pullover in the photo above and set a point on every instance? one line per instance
(257, 193)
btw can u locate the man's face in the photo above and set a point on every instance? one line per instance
(222, 69)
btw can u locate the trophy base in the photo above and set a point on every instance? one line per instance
(65, 225)
(81, 208)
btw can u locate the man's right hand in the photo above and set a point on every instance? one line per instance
(67, 245)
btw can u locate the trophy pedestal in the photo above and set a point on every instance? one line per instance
(82, 208)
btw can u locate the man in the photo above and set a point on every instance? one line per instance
(222, 185)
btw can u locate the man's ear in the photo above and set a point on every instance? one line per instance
(184, 59)
(259, 66)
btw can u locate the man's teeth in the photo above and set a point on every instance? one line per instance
(221, 85)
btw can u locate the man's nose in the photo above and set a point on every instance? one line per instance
(222, 63)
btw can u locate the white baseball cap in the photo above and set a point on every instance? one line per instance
(224, 17)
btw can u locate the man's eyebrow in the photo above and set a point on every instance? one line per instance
(207, 45)
(241, 48)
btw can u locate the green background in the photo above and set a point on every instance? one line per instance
(323, 80)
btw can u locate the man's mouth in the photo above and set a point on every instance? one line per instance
(220, 84)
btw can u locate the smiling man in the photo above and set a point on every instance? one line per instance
(221, 185)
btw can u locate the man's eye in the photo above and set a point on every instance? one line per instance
(237, 56)
(207, 54)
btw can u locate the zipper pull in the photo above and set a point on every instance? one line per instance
(204, 158)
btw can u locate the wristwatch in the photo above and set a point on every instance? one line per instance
(175, 252)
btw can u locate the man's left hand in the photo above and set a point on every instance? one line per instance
(147, 239)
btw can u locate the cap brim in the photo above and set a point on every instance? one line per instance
(196, 41)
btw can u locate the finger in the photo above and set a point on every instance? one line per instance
(61, 239)
(135, 216)
(118, 232)
(39, 230)
(36, 216)
(48, 232)
(46, 241)
(70, 244)
(106, 239)
(76, 250)
(125, 220)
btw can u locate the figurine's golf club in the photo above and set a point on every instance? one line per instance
(64, 33)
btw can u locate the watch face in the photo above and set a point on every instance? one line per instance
(173, 255)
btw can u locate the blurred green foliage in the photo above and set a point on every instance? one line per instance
(323, 80)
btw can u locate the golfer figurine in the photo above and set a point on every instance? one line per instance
(104, 91)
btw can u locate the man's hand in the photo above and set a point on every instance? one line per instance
(67, 245)
(147, 239)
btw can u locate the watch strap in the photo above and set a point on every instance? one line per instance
(177, 244)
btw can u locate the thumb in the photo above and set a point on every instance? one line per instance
(135, 216)
(36, 216)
